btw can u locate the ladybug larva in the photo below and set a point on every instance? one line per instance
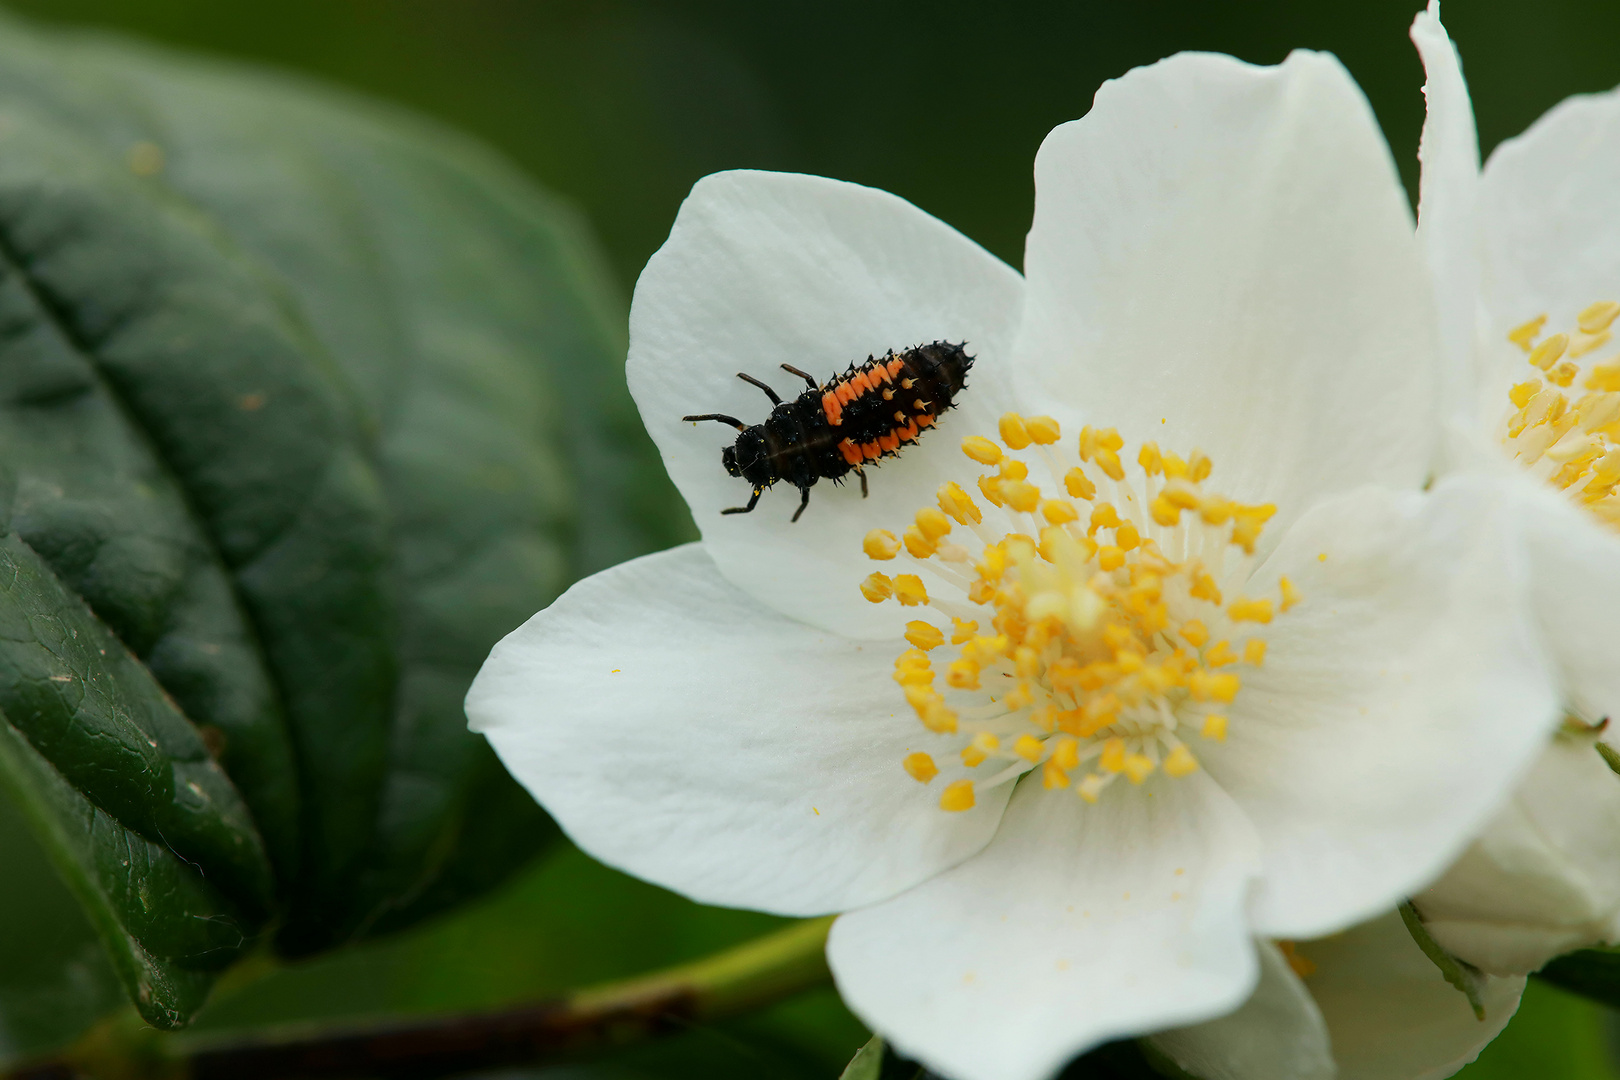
(854, 420)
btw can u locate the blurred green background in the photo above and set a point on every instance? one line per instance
(620, 105)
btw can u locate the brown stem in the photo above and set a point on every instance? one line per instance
(747, 977)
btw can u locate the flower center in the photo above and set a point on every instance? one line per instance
(1087, 632)
(1573, 445)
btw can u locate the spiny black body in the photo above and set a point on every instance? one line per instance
(853, 420)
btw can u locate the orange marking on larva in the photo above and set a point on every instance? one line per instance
(909, 432)
(880, 374)
(889, 442)
(925, 420)
(863, 385)
(831, 406)
(895, 367)
(851, 452)
(872, 449)
(846, 393)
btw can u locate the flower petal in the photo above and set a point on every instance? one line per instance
(1278, 1034)
(1077, 924)
(1390, 1013)
(731, 754)
(763, 269)
(1448, 227)
(1550, 211)
(1576, 563)
(1227, 248)
(1399, 704)
(1544, 877)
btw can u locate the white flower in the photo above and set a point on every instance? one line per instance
(1526, 259)
(1365, 1004)
(1197, 707)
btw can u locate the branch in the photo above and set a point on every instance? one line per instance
(725, 984)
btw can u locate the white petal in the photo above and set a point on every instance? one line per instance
(1576, 563)
(1544, 878)
(1448, 227)
(1550, 209)
(1077, 924)
(1398, 705)
(682, 732)
(763, 269)
(1278, 1034)
(1390, 1013)
(1227, 248)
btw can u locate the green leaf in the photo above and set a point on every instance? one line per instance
(304, 403)
(54, 977)
(474, 326)
(1554, 1034)
(867, 1064)
(1592, 973)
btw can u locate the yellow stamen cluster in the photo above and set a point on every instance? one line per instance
(1571, 440)
(1086, 638)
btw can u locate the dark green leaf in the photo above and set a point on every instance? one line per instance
(867, 1064)
(166, 929)
(469, 317)
(54, 977)
(875, 1061)
(299, 396)
(1592, 973)
(1124, 1060)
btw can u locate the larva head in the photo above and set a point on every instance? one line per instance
(747, 458)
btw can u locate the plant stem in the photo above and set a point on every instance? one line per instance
(737, 980)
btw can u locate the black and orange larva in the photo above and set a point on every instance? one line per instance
(854, 420)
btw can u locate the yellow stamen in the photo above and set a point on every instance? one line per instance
(963, 675)
(1521, 394)
(933, 523)
(1013, 432)
(921, 767)
(1077, 485)
(1291, 595)
(1113, 756)
(1096, 645)
(1138, 767)
(923, 635)
(1523, 334)
(982, 450)
(1596, 318)
(1245, 610)
(1043, 430)
(918, 544)
(1059, 512)
(908, 589)
(957, 796)
(877, 588)
(1029, 747)
(1181, 761)
(990, 488)
(1547, 353)
(880, 544)
(955, 503)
